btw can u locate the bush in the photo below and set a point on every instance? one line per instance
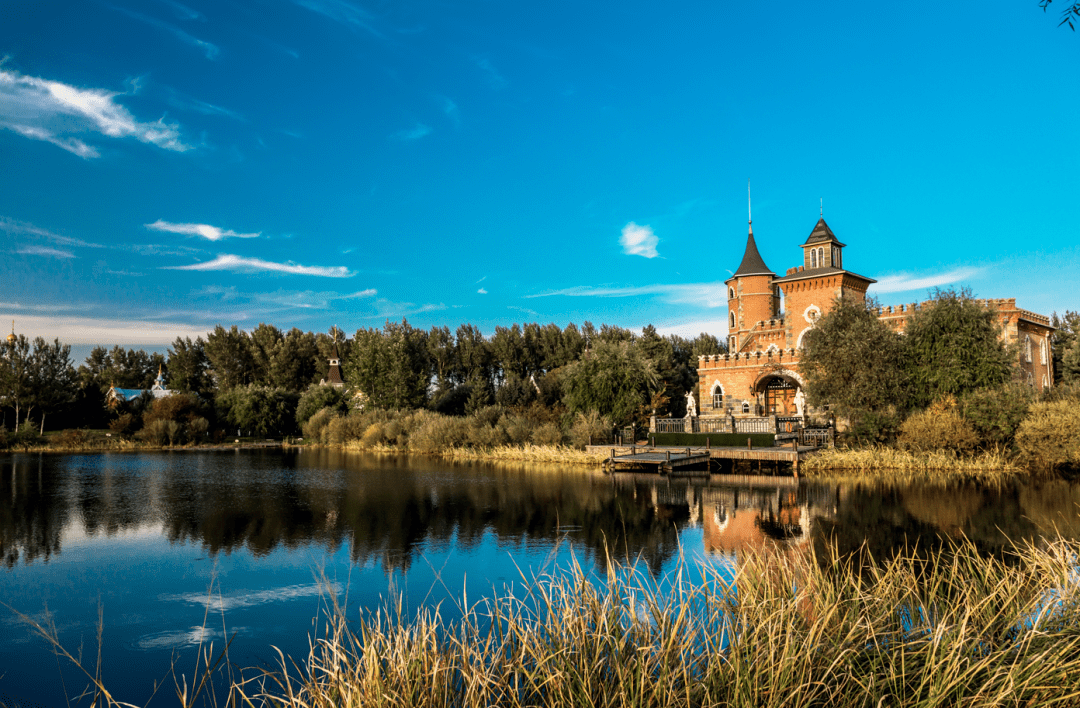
(1048, 438)
(315, 427)
(156, 432)
(196, 429)
(995, 413)
(317, 398)
(438, 433)
(27, 435)
(547, 434)
(589, 425)
(939, 427)
(123, 424)
(70, 439)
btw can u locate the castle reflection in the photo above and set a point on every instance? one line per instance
(389, 509)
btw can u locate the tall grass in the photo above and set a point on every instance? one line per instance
(882, 462)
(956, 629)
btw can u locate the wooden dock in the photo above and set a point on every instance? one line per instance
(691, 461)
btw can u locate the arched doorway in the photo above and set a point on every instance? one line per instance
(777, 392)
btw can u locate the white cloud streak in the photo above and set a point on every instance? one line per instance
(341, 11)
(46, 251)
(481, 291)
(13, 226)
(210, 233)
(55, 113)
(239, 264)
(75, 329)
(415, 133)
(903, 282)
(495, 80)
(709, 295)
(211, 51)
(639, 241)
(219, 603)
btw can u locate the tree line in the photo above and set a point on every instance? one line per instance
(266, 381)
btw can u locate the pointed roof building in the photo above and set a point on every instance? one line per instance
(752, 262)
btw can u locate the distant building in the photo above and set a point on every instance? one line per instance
(116, 396)
(333, 375)
(760, 374)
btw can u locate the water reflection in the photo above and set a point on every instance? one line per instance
(384, 509)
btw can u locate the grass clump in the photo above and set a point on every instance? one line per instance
(883, 462)
(953, 629)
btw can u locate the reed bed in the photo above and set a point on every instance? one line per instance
(954, 629)
(881, 462)
(528, 453)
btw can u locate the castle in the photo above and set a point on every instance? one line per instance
(759, 376)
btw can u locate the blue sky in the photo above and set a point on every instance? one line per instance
(166, 166)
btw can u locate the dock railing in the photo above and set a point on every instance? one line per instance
(729, 424)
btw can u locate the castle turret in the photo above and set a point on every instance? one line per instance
(752, 297)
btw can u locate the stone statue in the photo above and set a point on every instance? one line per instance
(800, 402)
(691, 405)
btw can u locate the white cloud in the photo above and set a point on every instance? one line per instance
(903, 282)
(211, 51)
(639, 241)
(241, 264)
(13, 226)
(75, 329)
(54, 112)
(701, 294)
(219, 603)
(341, 11)
(415, 133)
(46, 251)
(689, 330)
(211, 233)
(481, 291)
(309, 299)
(495, 80)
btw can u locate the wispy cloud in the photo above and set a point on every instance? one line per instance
(55, 112)
(183, 12)
(311, 300)
(495, 80)
(225, 603)
(45, 251)
(210, 233)
(450, 109)
(344, 12)
(701, 294)
(187, 103)
(211, 51)
(240, 264)
(902, 282)
(13, 226)
(77, 329)
(481, 291)
(415, 133)
(639, 241)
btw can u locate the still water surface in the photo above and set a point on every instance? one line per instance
(182, 547)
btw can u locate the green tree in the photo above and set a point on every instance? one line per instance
(317, 397)
(188, 366)
(1065, 335)
(855, 363)
(229, 353)
(442, 353)
(52, 378)
(391, 368)
(613, 379)
(294, 364)
(263, 343)
(953, 347)
(260, 410)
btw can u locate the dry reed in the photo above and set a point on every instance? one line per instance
(956, 629)
(881, 462)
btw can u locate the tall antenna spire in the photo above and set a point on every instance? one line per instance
(749, 213)
(821, 210)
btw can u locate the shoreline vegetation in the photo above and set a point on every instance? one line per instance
(790, 627)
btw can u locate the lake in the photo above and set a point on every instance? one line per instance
(178, 548)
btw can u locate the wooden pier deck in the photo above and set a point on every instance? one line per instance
(683, 460)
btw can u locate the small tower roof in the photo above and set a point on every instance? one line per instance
(822, 234)
(752, 262)
(11, 337)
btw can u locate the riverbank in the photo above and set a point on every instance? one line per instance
(892, 464)
(954, 628)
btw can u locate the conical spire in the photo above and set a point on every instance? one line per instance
(821, 233)
(752, 262)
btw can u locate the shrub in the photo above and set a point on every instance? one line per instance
(123, 424)
(939, 427)
(995, 413)
(196, 429)
(26, 435)
(155, 432)
(589, 425)
(518, 430)
(316, 398)
(70, 439)
(547, 434)
(314, 428)
(1048, 438)
(439, 433)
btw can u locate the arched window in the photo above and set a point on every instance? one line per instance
(717, 396)
(1042, 352)
(1027, 348)
(813, 258)
(821, 257)
(732, 319)
(731, 293)
(745, 406)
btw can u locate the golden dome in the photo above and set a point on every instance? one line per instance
(11, 337)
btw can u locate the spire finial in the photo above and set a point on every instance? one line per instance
(749, 212)
(821, 208)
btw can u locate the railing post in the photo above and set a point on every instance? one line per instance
(749, 444)
(707, 446)
(667, 455)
